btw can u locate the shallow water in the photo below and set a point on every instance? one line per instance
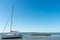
(27, 36)
(36, 38)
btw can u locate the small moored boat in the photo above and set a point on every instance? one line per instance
(12, 35)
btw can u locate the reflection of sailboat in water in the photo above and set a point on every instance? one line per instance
(11, 34)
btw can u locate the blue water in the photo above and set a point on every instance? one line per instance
(27, 36)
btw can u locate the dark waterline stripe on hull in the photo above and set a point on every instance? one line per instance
(12, 38)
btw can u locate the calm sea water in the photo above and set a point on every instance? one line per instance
(27, 36)
(35, 38)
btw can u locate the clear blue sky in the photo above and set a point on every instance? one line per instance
(31, 15)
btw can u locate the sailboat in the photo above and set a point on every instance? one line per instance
(11, 34)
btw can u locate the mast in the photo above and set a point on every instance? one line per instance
(12, 16)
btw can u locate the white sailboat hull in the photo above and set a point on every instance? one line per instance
(12, 35)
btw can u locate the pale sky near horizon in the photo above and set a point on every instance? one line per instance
(31, 15)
